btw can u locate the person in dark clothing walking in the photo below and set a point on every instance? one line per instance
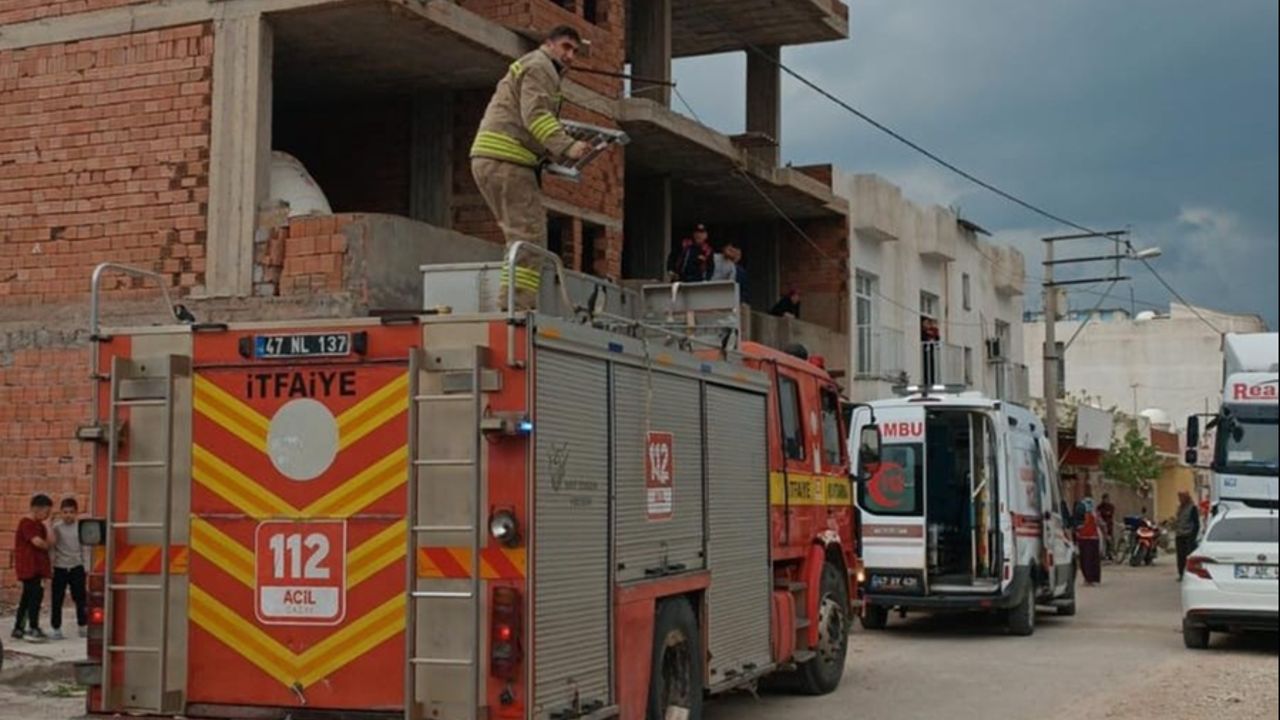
(1186, 528)
(1107, 514)
(32, 565)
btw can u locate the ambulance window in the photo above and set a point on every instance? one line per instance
(792, 430)
(832, 444)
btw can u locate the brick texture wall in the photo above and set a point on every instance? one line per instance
(16, 11)
(821, 275)
(104, 154)
(44, 395)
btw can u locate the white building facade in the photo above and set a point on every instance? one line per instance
(931, 301)
(1159, 362)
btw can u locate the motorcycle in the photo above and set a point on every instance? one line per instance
(1146, 540)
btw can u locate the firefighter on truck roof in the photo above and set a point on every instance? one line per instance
(519, 132)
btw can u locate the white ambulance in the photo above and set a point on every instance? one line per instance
(962, 510)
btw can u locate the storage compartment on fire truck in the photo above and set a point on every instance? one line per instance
(961, 519)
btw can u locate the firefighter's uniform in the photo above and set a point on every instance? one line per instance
(520, 129)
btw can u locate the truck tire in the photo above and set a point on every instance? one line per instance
(1021, 618)
(875, 617)
(675, 678)
(822, 674)
(1195, 637)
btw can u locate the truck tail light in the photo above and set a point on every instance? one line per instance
(1196, 565)
(505, 633)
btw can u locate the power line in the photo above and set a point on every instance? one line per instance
(958, 170)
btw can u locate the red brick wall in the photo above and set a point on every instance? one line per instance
(44, 395)
(16, 11)
(104, 154)
(820, 274)
(357, 152)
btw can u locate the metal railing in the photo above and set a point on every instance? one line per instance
(880, 353)
(942, 363)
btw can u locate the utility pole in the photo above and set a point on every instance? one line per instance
(1050, 349)
(1051, 353)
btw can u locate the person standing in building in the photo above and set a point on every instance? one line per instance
(1107, 513)
(1186, 528)
(788, 305)
(68, 569)
(520, 131)
(696, 262)
(1089, 538)
(723, 266)
(32, 566)
(739, 274)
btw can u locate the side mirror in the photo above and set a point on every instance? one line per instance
(92, 531)
(868, 451)
(1192, 456)
(1193, 432)
(1068, 518)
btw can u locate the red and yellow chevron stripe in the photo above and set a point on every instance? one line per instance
(454, 563)
(141, 560)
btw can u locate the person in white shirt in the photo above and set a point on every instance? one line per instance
(68, 568)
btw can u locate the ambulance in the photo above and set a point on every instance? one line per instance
(961, 509)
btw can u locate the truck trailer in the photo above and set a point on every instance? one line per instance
(610, 507)
(1245, 467)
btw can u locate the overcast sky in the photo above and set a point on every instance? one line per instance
(1156, 115)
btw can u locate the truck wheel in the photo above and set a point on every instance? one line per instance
(822, 674)
(1195, 637)
(875, 617)
(675, 679)
(1022, 617)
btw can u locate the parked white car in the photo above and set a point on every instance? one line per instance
(1231, 579)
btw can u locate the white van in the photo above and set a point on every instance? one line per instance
(962, 510)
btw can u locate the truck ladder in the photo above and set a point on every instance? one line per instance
(133, 386)
(438, 367)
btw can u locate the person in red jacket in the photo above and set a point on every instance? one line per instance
(1089, 538)
(32, 564)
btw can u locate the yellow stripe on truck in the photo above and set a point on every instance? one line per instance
(808, 490)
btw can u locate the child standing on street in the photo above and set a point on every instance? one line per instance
(31, 561)
(68, 568)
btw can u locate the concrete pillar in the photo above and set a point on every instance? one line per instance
(648, 227)
(764, 101)
(650, 50)
(431, 159)
(240, 150)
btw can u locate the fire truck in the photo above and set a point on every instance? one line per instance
(610, 507)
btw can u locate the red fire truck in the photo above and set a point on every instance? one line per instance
(587, 511)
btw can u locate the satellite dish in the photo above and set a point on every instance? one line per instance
(1158, 418)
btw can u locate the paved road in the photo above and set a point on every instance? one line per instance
(1120, 657)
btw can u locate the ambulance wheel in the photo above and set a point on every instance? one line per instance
(1022, 617)
(675, 680)
(875, 617)
(822, 674)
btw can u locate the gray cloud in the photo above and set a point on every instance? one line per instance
(1159, 115)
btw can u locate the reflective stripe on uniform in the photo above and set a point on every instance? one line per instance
(517, 68)
(544, 126)
(498, 146)
(526, 278)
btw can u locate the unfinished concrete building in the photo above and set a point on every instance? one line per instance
(143, 131)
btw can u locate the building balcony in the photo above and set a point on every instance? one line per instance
(1010, 271)
(875, 208)
(879, 354)
(820, 341)
(1012, 382)
(937, 234)
(705, 168)
(705, 27)
(942, 364)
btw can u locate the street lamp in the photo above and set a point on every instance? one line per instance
(1147, 253)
